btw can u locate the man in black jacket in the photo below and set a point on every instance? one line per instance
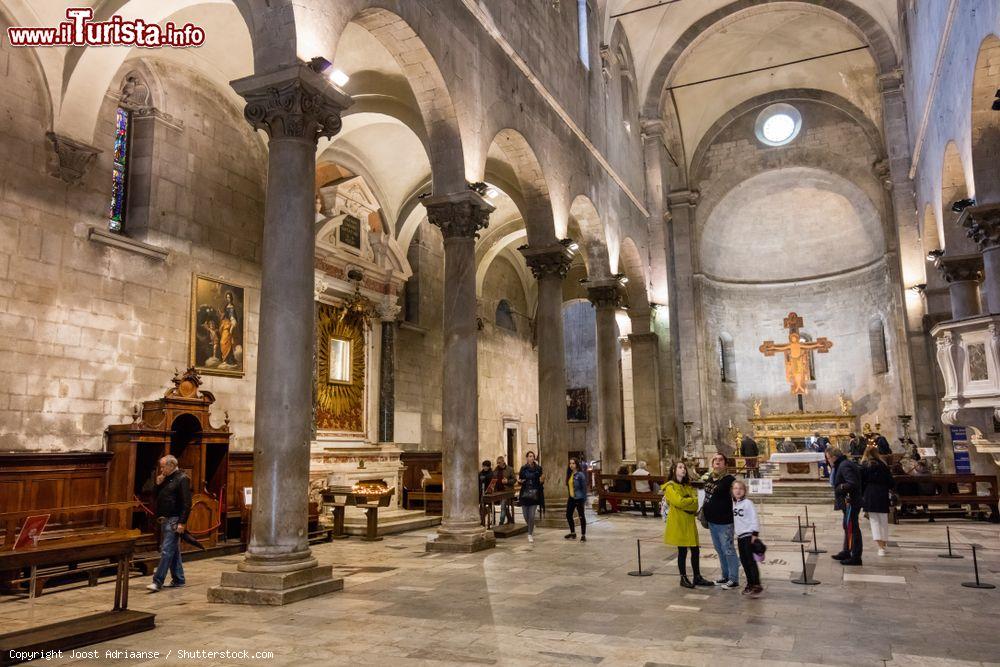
(173, 505)
(718, 512)
(848, 499)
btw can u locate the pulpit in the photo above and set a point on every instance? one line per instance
(178, 424)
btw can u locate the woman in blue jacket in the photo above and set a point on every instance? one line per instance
(576, 487)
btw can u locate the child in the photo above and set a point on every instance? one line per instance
(746, 528)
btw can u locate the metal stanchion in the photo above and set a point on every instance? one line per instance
(804, 579)
(638, 555)
(975, 565)
(949, 554)
(808, 525)
(816, 550)
(799, 536)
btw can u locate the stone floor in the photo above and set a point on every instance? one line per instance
(565, 603)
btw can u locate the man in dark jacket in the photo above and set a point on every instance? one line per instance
(883, 445)
(718, 512)
(848, 499)
(173, 505)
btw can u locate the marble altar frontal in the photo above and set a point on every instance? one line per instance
(798, 465)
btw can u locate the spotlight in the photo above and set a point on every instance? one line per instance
(492, 193)
(570, 244)
(339, 78)
(574, 246)
(934, 255)
(919, 289)
(963, 204)
(321, 65)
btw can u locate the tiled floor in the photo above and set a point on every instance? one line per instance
(566, 603)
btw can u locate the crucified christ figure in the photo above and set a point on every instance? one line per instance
(796, 353)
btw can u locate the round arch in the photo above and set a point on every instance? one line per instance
(955, 185)
(986, 122)
(634, 268)
(585, 222)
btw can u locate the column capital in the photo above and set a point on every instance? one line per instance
(683, 198)
(551, 260)
(605, 293)
(458, 215)
(982, 224)
(293, 103)
(960, 267)
(652, 128)
(891, 82)
(73, 159)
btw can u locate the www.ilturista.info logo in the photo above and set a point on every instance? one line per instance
(80, 30)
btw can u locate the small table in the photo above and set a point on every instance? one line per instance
(798, 465)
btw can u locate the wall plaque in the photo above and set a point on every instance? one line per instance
(350, 232)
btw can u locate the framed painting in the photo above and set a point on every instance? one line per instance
(217, 325)
(578, 405)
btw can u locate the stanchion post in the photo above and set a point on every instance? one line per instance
(816, 550)
(949, 554)
(804, 579)
(808, 525)
(638, 555)
(799, 537)
(975, 565)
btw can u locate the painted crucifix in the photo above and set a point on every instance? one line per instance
(796, 353)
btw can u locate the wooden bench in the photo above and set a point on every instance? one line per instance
(953, 491)
(606, 485)
(430, 496)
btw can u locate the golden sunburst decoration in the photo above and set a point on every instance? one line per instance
(340, 405)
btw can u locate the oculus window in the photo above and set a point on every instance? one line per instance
(778, 125)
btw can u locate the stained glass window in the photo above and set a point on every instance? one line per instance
(119, 171)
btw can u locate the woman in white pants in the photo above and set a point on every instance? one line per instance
(878, 483)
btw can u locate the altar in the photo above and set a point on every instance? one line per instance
(771, 429)
(797, 465)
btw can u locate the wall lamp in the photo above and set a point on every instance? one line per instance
(963, 204)
(321, 65)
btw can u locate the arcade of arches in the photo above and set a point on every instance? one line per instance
(391, 239)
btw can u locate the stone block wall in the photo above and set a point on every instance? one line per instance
(580, 337)
(86, 330)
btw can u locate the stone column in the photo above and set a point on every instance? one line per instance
(460, 216)
(550, 264)
(295, 106)
(983, 225)
(963, 274)
(387, 373)
(645, 394)
(606, 297)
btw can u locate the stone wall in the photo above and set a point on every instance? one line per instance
(86, 330)
(580, 336)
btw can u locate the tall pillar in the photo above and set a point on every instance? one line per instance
(983, 224)
(387, 373)
(295, 106)
(645, 394)
(606, 297)
(963, 274)
(550, 264)
(460, 216)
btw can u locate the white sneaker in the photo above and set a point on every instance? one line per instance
(154, 587)
(531, 539)
(729, 585)
(881, 552)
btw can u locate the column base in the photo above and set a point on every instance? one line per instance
(555, 515)
(275, 588)
(463, 544)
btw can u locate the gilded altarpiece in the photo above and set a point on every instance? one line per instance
(340, 405)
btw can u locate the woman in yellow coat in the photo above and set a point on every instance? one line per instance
(682, 531)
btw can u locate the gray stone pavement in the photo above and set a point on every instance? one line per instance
(559, 602)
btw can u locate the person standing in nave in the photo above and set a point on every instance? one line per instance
(747, 528)
(718, 512)
(485, 476)
(878, 483)
(505, 481)
(576, 499)
(682, 531)
(173, 505)
(848, 499)
(531, 478)
(883, 444)
(750, 451)
(818, 443)
(856, 446)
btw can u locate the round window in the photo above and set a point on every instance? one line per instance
(778, 124)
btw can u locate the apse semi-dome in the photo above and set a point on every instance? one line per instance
(790, 224)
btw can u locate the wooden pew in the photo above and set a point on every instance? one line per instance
(947, 490)
(607, 483)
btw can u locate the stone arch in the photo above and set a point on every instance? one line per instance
(955, 186)
(531, 194)
(632, 265)
(986, 122)
(587, 229)
(88, 72)
(433, 99)
(621, 52)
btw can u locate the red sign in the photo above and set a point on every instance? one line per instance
(31, 530)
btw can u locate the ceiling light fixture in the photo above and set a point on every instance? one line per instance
(492, 193)
(339, 77)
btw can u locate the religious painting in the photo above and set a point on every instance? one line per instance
(217, 324)
(578, 405)
(340, 361)
(340, 370)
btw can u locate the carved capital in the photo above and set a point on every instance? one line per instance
(292, 103)
(605, 294)
(652, 128)
(459, 216)
(891, 82)
(960, 267)
(73, 159)
(683, 198)
(982, 224)
(881, 171)
(553, 260)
